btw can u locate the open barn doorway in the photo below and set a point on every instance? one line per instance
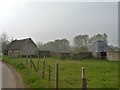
(103, 55)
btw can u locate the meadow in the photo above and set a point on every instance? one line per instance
(99, 73)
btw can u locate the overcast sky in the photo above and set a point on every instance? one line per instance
(46, 21)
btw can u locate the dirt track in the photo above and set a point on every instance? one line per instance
(10, 78)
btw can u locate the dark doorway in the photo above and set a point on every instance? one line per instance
(103, 55)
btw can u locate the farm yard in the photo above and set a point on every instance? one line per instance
(60, 45)
(98, 73)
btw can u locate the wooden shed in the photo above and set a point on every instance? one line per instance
(99, 49)
(23, 47)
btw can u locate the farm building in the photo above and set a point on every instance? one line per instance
(43, 53)
(22, 47)
(81, 55)
(99, 49)
(60, 55)
(113, 56)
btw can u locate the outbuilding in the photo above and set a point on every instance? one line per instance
(23, 47)
(99, 49)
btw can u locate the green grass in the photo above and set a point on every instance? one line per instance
(99, 74)
(31, 79)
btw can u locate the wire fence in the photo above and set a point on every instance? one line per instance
(51, 73)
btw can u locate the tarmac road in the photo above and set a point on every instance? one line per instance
(10, 78)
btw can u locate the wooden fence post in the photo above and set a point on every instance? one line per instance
(56, 75)
(33, 65)
(83, 82)
(38, 64)
(21, 59)
(17, 60)
(49, 73)
(30, 62)
(43, 68)
(26, 60)
(44, 57)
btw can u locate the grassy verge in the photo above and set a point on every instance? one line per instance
(99, 74)
(30, 78)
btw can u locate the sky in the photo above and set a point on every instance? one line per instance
(46, 21)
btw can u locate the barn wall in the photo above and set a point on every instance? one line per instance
(14, 53)
(30, 49)
(113, 56)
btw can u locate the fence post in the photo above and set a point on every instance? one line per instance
(83, 82)
(56, 75)
(44, 57)
(38, 64)
(21, 59)
(33, 65)
(30, 61)
(17, 60)
(43, 68)
(26, 60)
(49, 73)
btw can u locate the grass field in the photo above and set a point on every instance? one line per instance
(99, 74)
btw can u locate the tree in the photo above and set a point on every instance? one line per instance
(78, 42)
(4, 40)
(98, 37)
(81, 42)
(0, 46)
(57, 45)
(40, 45)
(105, 38)
(65, 44)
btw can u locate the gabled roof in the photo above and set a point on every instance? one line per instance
(18, 44)
(100, 46)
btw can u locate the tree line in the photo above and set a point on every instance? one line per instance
(81, 43)
(57, 45)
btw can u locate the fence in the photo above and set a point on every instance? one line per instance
(29, 63)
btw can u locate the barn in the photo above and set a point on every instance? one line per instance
(23, 47)
(99, 49)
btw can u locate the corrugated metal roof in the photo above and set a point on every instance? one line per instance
(100, 46)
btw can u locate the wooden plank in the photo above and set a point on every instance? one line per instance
(56, 76)
(38, 64)
(43, 68)
(33, 65)
(83, 82)
(49, 74)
